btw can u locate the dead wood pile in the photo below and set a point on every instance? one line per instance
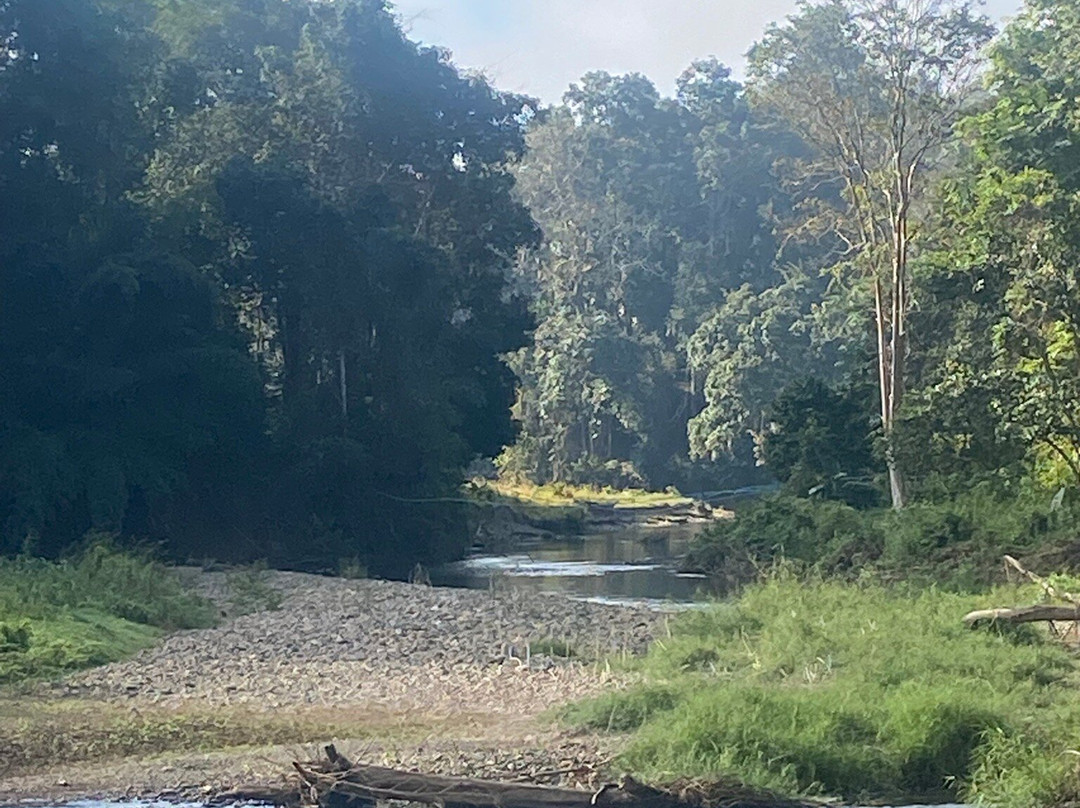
(337, 782)
(1040, 612)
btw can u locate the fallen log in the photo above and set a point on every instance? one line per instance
(329, 785)
(1023, 614)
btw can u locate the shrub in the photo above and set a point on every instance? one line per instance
(959, 542)
(830, 534)
(96, 606)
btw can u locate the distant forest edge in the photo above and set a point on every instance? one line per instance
(272, 275)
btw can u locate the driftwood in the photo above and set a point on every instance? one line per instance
(1023, 614)
(1039, 613)
(1047, 587)
(339, 782)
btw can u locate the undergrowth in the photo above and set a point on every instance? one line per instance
(854, 690)
(957, 544)
(99, 605)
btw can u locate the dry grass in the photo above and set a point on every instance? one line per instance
(36, 734)
(563, 494)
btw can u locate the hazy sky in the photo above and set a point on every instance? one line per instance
(540, 46)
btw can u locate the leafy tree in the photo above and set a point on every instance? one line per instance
(874, 87)
(124, 384)
(649, 209)
(747, 351)
(348, 187)
(1006, 314)
(818, 443)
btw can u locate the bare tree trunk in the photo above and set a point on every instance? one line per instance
(897, 330)
(344, 392)
(889, 370)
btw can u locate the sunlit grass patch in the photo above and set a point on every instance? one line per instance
(567, 494)
(857, 691)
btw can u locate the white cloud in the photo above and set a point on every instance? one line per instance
(540, 46)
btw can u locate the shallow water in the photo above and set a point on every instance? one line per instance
(636, 565)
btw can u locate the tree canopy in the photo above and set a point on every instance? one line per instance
(272, 275)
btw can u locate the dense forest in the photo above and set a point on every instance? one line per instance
(272, 275)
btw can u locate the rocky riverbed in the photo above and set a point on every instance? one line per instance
(448, 680)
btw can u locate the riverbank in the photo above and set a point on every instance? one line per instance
(859, 691)
(451, 680)
(511, 515)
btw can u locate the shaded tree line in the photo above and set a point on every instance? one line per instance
(253, 288)
(271, 274)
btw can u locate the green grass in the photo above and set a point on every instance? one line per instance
(858, 691)
(96, 607)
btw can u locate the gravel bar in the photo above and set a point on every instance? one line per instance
(334, 641)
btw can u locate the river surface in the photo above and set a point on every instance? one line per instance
(632, 565)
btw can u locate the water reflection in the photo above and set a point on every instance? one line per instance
(638, 565)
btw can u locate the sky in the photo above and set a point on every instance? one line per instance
(539, 47)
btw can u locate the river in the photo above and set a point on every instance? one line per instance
(637, 565)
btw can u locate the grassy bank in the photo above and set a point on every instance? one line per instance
(957, 544)
(566, 494)
(858, 691)
(95, 607)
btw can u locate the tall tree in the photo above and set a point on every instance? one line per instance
(123, 384)
(875, 88)
(349, 187)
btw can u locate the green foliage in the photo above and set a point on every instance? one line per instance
(996, 396)
(818, 443)
(852, 690)
(957, 542)
(750, 348)
(180, 365)
(649, 208)
(831, 535)
(271, 273)
(97, 606)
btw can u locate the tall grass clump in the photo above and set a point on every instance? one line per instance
(858, 691)
(96, 606)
